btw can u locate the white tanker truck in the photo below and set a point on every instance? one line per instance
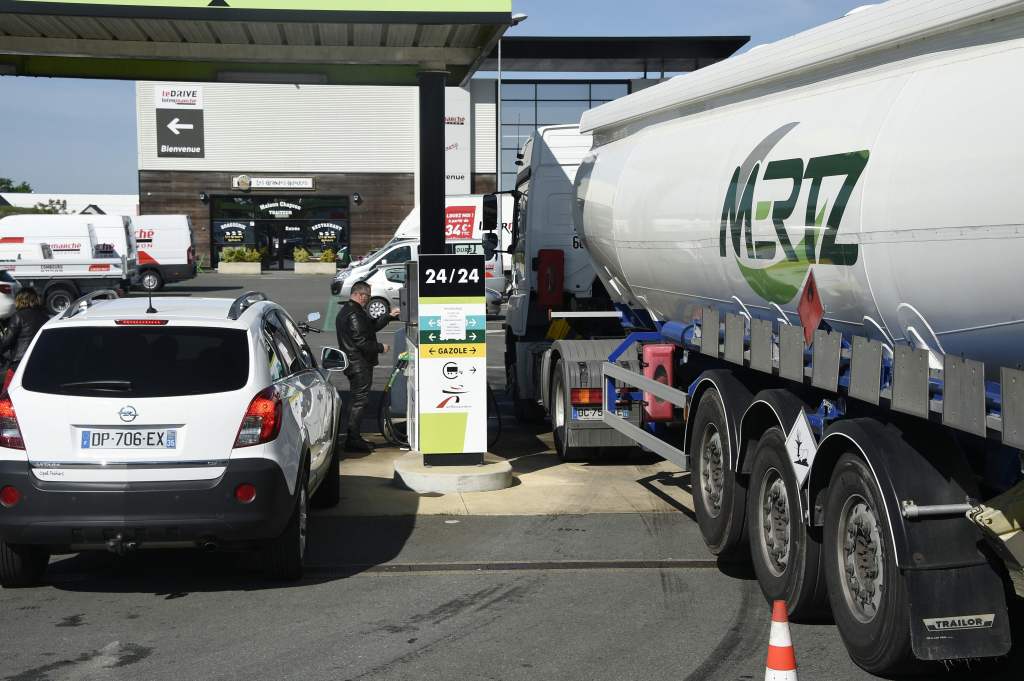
(816, 251)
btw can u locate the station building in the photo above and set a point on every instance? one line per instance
(274, 166)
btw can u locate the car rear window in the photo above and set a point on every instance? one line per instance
(137, 362)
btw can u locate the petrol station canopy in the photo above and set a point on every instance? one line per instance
(372, 42)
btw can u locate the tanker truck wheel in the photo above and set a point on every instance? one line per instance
(785, 552)
(719, 499)
(560, 410)
(524, 411)
(866, 590)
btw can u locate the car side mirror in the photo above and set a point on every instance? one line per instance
(333, 359)
(490, 244)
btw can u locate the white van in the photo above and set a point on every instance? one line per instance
(463, 233)
(166, 249)
(65, 256)
(74, 237)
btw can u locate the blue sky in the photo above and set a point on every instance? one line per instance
(77, 136)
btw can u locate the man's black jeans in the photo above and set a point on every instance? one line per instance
(360, 379)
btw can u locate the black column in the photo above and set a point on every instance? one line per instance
(432, 84)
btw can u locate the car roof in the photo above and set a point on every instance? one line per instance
(204, 311)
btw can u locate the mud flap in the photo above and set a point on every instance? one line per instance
(958, 613)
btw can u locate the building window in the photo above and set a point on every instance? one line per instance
(527, 105)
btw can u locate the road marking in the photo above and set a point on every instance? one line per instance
(332, 310)
(506, 566)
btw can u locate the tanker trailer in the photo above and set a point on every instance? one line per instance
(816, 250)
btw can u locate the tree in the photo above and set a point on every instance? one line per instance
(51, 207)
(7, 186)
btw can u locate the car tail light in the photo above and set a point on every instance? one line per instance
(10, 433)
(190, 255)
(262, 420)
(140, 322)
(99, 268)
(9, 496)
(5, 289)
(245, 493)
(585, 396)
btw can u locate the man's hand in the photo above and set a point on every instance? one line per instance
(387, 348)
(395, 312)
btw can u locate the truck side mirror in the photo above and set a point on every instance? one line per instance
(490, 244)
(489, 217)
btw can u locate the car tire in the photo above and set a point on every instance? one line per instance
(328, 494)
(283, 556)
(719, 498)
(786, 553)
(22, 566)
(873, 616)
(378, 307)
(151, 281)
(58, 299)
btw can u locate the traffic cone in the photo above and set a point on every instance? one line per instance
(781, 664)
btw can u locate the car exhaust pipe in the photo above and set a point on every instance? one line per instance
(118, 546)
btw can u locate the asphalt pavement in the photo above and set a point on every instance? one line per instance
(410, 595)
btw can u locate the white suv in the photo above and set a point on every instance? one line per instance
(204, 422)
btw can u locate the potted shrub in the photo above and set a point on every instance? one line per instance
(239, 261)
(306, 263)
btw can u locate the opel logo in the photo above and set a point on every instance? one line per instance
(128, 414)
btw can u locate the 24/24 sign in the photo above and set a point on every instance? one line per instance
(446, 276)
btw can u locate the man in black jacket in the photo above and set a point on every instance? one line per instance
(357, 336)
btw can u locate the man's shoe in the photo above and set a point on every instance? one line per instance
(358, 444)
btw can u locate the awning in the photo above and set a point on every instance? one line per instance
(374, 42)
(613, 55)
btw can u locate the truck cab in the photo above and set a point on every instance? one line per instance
(550, 269)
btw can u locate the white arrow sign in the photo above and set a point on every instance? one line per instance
(176, 126)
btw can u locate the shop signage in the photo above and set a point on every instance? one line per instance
(456, 141)
(451, 368)
(247, 182)
(179, 120)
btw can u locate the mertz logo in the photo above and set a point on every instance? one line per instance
(128, 414)
(775, 268)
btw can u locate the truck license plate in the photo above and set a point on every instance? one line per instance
(595, 413)
(130, 439)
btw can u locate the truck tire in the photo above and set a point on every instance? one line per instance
(58, 299)
(786, 554)
(524, 411)
(867, 591)
(719, 499)
(152, 281)
(283, 556)
(560, 410)
(22, 566)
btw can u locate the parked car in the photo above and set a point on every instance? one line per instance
(166, 250)
(395, 253)
(493, 302)
(208, 423)
(386, 285)
(9, 287)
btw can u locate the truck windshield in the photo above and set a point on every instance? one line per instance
(137, 362)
